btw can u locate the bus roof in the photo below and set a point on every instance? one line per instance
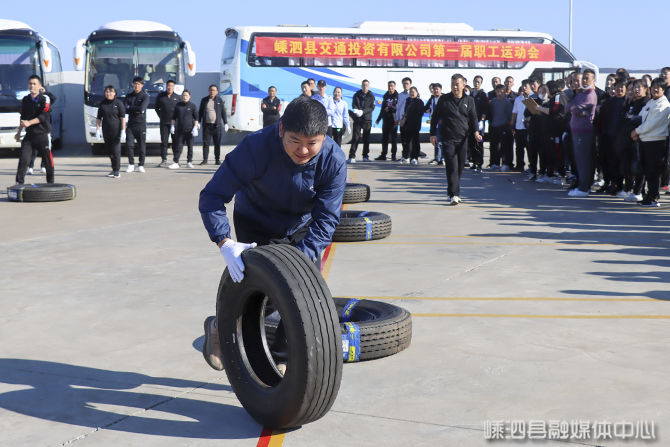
(6, 25)
(135, 26)
(407, 28)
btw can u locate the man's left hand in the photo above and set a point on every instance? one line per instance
(478, 137)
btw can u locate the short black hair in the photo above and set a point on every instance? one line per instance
(306, 117)
(622, 72)
(138, 79)
(658, 81)
(477, 77)
(35, 77)
(457, 76)
(310, 79)
(169, 81)
(665, 69)
(509, 77)
(525, 82)
(321, 83)
(619, 82)
(215, 86)
(534, 79)
(272, 86)
(304, 83)
(406, 78)
(365, 80)
(110, 87)
(186, 91)
(560, 83)
(500, 87)
(391, 82)
(588, 70)
(437, 84)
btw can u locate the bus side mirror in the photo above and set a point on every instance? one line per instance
(79, 54)
(190, 59)
(47, 61)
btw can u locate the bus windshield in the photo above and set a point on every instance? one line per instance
(117, 61)
(18, 61)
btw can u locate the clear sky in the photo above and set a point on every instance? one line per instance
(602, 34)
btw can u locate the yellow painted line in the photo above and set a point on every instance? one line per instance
(531, 244)
(511, 298)
(329, 262)
(277, 438)
(568, 317)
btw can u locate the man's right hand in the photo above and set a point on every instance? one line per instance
(232, 253)
(433, 140)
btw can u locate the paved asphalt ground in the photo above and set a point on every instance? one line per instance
(528, 307)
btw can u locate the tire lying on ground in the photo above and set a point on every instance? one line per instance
(356, 192)
(281, 278)
(372, 329)
(41, 192)
(362, 226)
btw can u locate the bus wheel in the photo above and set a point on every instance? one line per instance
(295, 379)
(98, 149)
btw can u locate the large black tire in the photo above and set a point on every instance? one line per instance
(298, 292)
(370, 329)
(41, 192)
(356, 192)
(362, 226)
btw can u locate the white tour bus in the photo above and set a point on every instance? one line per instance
(119, 51)
(255, 58)
(23, 53)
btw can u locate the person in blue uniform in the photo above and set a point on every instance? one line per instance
(288, 180)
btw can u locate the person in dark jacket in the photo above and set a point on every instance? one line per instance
(165, 104)
(185, 122)
(136, 105)
(459, 118)
(414, 110)
(213, 120)
(270, 106)
(288, 181)
(436, 90)
(389, 127)
(43, 165)
(536, 123)
(623, 144)
(35, 117)
(555, 128)
(482, 106)
(361, 109)
(112, 117)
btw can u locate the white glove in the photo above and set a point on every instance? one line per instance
(172, 129)
(481, 126)
(98, 133)
(225, 127)
(232, 253)
(123, 135)
(194, 131)
(358, 112)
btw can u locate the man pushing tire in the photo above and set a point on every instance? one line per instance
(288, 180)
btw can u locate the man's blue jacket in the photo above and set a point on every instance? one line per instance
(275, 193)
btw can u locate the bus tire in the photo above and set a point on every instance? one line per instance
(313, 354)
(384, 329)
(362, 226)
(41, 192)
(356, 192)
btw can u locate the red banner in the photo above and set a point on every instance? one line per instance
(402, 49)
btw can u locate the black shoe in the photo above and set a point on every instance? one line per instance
(422, 154)
(204, 162)
(393, 158)
(217, 162)
(650, 203)
(381, 158)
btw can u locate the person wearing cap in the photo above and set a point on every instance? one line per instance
(136, 104)
(327, 101)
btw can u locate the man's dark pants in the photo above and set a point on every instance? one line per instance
(136, 133)
(41, 143)
(165, 137)
(359, 126)
(455, 152)
(211, 131)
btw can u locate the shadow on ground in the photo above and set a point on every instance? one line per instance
(92, 397)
